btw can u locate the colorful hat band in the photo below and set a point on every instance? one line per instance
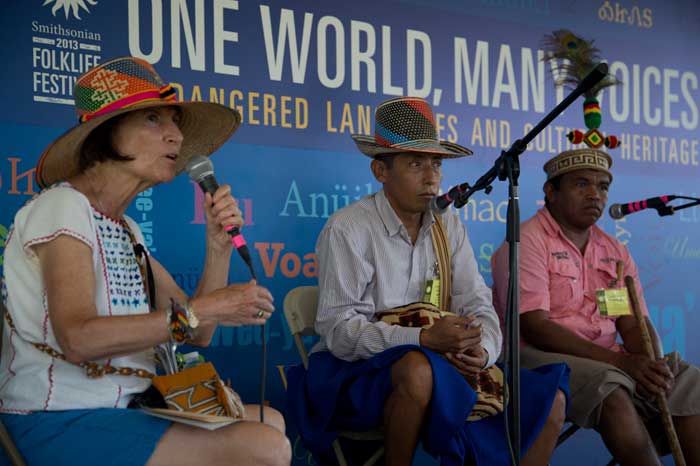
(388, 138)
(165, 93)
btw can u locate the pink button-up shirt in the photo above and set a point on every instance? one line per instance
(555, 277)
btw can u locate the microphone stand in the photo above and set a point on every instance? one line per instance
(507, 166)
(670, 209)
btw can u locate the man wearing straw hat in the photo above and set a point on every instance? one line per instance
(568, 270)
(379, 254)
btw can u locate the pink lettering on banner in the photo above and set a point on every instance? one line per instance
(246, 206)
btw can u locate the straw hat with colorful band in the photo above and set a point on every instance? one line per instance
(578, 159)
(122, 85)
(406, 124)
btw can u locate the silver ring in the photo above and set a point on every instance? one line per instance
(260, 314)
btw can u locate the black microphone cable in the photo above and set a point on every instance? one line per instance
(201, 171)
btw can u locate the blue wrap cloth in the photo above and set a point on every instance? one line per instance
(338, 395)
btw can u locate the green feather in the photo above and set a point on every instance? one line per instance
(574, 58)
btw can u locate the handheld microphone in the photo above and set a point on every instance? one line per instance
(201, 170)
(439, 204)
(617, 211)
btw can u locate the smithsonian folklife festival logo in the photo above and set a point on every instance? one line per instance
(62, 52)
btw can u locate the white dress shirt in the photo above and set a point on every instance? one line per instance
(367, 263)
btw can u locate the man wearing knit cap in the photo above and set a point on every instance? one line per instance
(568, 274)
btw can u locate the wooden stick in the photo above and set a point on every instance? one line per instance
(620, 271)
(661, 398)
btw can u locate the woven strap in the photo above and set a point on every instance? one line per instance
(441, 245)
(92, 369)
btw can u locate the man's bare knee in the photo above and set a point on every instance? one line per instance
(412, 375)
(618, 404)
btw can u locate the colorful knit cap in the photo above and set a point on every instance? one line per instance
(406, 124)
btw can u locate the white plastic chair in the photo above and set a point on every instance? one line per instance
(300, 307)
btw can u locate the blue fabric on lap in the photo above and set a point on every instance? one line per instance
(108, 437)
(335, 395)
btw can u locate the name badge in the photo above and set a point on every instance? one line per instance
(432, 292)
(613, 302)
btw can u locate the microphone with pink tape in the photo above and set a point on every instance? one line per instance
(617, 211)
(201, 170)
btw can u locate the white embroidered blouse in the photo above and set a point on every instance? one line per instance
(31, 380)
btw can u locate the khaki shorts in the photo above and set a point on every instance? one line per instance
(592, 381)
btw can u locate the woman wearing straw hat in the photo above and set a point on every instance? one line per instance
(76, 298)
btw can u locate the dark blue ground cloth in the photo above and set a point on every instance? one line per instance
(338, 395)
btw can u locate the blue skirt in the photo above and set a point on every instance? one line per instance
(109, 437)
(338, 395)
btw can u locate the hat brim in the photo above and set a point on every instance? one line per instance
(368, 146)
(205, 127)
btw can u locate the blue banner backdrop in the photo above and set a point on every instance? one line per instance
(306, 74)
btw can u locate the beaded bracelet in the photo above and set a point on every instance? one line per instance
(179, 323)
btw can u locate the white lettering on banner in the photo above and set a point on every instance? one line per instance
(347, 54)
(505, 68)
(532, 80)
(156, 31)
(58, 30)
(336, 26)
(358, 28)
(299, 53)
(471, 80)
(689, 120)
(660, 149)
(66, 61)
(639, 85)
(59, 56)
(195, 36)
(331, 30)
(475, 81)
(180, 15)
(387, 87)
(412, 38)
(222, 35)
